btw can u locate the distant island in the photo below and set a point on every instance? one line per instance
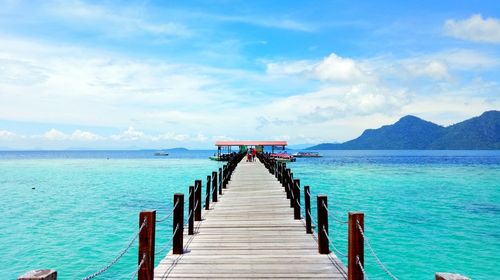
(413, 133)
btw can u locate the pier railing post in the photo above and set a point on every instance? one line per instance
(224, 175)
(307, 208)
(220, 181)
(178, 226)
(289, 186)
(323, 245)
(214, 186)
(355, 252)
(147, 245)
(286, 179)
(296, 209)
(191, 211)
(197, 212)
(207, 193)
(39, 274)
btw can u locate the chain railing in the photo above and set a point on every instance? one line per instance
(384, 268)
(119, 256)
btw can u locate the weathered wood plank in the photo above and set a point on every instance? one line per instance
(250, 233)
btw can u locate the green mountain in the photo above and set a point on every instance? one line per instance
(412, 133)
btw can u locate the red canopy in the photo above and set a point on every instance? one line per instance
(250, 143)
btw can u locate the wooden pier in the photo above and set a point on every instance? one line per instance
(250, 233)
(253, 226)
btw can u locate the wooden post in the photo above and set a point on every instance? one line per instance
(207, 193)
(191, 211)
(291, 188)
(178, 242)
(450, 276)
(197, 210)
(147, 245)
(214, 186)
(39, 274)
(307, 209)
(287, 178)
(224, 175)
(355, 245)
(296, 209)
(220, 181)
(323, 245)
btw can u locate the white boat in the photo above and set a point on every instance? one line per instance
(307, 154)
(161, 153)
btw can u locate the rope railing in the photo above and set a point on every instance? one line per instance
(119, 256)
(333, 245)
(168, 242)
(192, 211)
(386, 270)
(358, 262)
(333, 217)
(168, 215)
(138, 267)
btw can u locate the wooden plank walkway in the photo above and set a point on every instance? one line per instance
(250, 234)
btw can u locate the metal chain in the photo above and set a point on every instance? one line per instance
(167, 246)
(333, 245)
(170, 214)
(333, 217)
(138, 267)
(373, 253)
(362, 268)
(102, 270)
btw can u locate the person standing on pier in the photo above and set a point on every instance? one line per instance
(254, 153)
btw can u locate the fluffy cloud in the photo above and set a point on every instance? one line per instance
(332, 68)
(78, 135)
(476, 28)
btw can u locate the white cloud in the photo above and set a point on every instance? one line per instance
(55, 134)
(78, 135)
(436, 70)
(332, 68)
(476, 29)
(113, 20)
(336, 68)
(5, 134)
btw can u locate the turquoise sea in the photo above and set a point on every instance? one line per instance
(425, 211)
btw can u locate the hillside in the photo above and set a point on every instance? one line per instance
(413, 133)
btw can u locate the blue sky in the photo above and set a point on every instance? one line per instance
(159, 74)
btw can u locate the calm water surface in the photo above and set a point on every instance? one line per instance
(425, 211)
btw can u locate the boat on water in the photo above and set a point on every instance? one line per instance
(283, 157)
(221, 157)
(161, 153)
(307, 155)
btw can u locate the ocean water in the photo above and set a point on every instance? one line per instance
(425, 211)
